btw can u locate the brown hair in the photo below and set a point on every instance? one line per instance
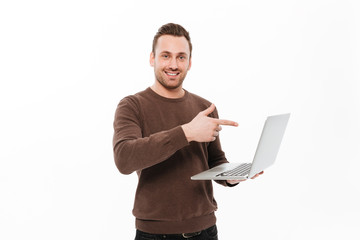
(174, 30)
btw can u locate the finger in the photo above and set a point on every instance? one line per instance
(255, 176)
(258, 174)
(209, 110)
(218, 128)
(216, 133)
(235, 181)
(226, 122)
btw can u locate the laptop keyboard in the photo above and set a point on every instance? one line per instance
(240, 170)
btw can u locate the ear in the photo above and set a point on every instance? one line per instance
(152, 59)
(189, 64)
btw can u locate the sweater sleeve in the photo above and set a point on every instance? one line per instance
(132, 151)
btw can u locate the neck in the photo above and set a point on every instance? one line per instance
(178, 92)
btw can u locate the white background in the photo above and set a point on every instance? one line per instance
(64, 66)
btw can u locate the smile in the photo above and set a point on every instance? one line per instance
(172, 74)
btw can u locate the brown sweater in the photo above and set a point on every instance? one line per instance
(148, 139)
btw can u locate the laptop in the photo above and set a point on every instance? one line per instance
(265, 155)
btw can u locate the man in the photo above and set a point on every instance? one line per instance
(167, 134)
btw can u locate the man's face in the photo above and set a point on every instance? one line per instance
(171, 61)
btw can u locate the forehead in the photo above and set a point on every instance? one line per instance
(172, 44)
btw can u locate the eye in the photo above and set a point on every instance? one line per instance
(165, 56)
(182, 57)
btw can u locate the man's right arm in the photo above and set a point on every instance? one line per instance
(134, 152)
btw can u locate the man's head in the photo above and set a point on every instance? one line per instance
(171, 56)
(172, 29)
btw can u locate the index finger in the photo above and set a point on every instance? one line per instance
(226, 122)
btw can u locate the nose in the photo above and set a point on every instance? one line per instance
(173, 64)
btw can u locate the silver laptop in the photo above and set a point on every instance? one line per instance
(265, 155)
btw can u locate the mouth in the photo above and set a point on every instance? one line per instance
(172, 74)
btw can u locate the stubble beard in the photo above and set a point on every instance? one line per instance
(161, 79)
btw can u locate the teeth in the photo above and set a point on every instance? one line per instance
(171, 74)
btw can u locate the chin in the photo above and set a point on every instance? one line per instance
(171, 87)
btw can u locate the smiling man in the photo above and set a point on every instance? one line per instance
(170, 66)
(167, 134)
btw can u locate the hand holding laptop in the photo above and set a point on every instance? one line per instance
(265, 155)
(232, 182)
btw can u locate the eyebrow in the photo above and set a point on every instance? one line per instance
(179, 53)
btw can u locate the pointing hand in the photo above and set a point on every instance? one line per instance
(203, 128)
